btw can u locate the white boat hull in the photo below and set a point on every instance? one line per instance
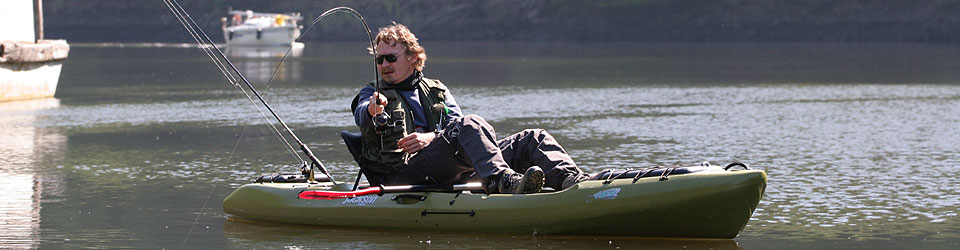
(262, 36)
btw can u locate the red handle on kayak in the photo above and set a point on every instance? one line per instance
(333, 195)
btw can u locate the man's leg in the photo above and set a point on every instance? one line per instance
(478, 145)
(536, 147)
(437, 163)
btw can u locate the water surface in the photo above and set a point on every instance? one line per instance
(141, 144)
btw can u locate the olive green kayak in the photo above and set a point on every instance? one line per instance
(710, 202)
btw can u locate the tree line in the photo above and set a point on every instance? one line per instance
(848, 21)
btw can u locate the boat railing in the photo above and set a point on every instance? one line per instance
(248, 14)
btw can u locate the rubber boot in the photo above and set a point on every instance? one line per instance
(572, 180)
(529, 182)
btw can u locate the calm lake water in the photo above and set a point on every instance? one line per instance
(141, 144)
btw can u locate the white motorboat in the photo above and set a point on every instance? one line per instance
(248, 28)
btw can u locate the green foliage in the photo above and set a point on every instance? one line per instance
(543, 20)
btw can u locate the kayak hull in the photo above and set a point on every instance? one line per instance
(706, 204)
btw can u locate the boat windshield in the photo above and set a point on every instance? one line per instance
(259, 22)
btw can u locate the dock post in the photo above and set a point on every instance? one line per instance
(38, 20)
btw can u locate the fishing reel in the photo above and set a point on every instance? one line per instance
(382, 121)
(306, 169)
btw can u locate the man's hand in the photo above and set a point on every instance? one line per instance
(415, 142)
(377, 104)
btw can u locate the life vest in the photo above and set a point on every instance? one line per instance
(388, 157)
(237, 20)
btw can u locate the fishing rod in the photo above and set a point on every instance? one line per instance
(203, 40)
(181, 16)
(315, 21)
(373, 51)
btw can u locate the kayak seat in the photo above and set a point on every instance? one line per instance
(354, 144)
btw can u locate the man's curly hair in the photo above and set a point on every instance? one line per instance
(399, 33)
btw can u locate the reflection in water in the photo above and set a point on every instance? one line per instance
(250, 235)
(265, 51)
(24, 143)
(23, 146)
(258, 63)
(20, 210)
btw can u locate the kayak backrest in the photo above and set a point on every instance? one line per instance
(354, 143)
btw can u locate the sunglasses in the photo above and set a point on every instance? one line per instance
(389, 57)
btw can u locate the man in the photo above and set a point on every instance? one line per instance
(414, 132)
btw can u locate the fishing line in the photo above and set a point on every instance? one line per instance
(195, 33)
(366, 29)
(182, 17)
(303, 147)
(202, 46)
(354, 13)
(235, 77)
(373, 49)
(233, 82)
